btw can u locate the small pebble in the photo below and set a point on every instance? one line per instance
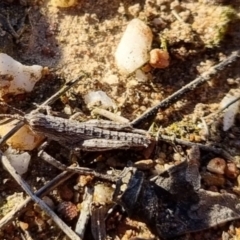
(99, 98)
(159, 169)
(177, 157)
(23, 225)
(65, 193)
(20, 161)
(168, 166)
(232, 110)
(68, 110)
(231, 81)
(144, 164)
(211, 179)
(141, 76)
(231, 170)
(217, 165)
(102, 194)
(159, 58)
(64, 3)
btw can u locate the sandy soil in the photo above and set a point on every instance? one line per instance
(84, 38)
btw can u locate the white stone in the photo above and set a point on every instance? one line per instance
(20, 161)
(99, 98)
(232, 110)
(133, 50)
(141, 76)
(23, 139)
(15, 77)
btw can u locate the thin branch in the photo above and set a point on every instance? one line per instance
(203, 147)
(62, 225)
(51, 100)
(59, 93)
(187, 88)
(58, 180)
(74, 169)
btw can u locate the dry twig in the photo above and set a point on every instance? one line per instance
(62, 225)
(51, 100)
(80, 170)
(187, 88)
(58, 180)
(203, 147)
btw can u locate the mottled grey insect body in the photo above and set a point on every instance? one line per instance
(90, 136)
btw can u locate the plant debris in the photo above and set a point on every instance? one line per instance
(77, 41)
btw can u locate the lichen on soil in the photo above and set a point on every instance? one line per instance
(83, 38)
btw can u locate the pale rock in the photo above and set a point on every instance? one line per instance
(23, 139)
(16, 78)
(141, 76)
(232, 110)
(20, 161)
(133, 50)
(99, 98)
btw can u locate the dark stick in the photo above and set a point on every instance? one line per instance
(11, 132)
(65, 88)
(79, 170)
(58, 180)
(51, 100)
(187, 88)
(62, 225)
(203, 147)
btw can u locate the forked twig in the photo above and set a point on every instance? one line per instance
(58, 180)
(65, 88)
(203, 147)
(74, 169)
(51, 100)
(187, 88)
(221, 109)
(65, 228)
